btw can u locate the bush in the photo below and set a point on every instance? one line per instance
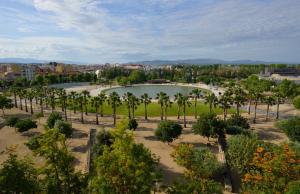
(33, 143)
(291, 127)
(25, 125)
(296, 102)
(238, 120)
(104, 138)
(167, 131)
(293, 187)
(64, 128)
(53, 117)
(132, 124)
(235, 130)
(11, 121)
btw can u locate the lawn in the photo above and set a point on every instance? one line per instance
(154, 109)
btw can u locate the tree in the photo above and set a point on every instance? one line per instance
(124, 167)
(14, 90)
(211, 99)
(80, 101)
(51, 97)
(291, 127)
(63, 101)
(196, 94)
(146, 100)
(30, 96)
(271, 170)
(178, 99)
(185, 103)
(115, 101)
(25, 124)
(59, 173)
(53, 117)
(225, 102)
(18, 175)
(238, 120)
(38, 116)
(296, 102)
(64, 128)
(126, 99)
(167, 104)
(73, 97)
(238, 97)
(293, 187)
(134, 103)
(102, 99)
(86, 95)
(167, 131)
(161, 101)
(209, 125)
(95, 103)
(11, 121)
(257, 95)
(270, 101)
(5, 103)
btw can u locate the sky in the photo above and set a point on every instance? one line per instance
(99, 31)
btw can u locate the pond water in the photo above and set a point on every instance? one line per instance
(152, 90)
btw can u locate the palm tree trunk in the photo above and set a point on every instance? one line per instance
(129, 112)
(184, 117)
(277, 110)
(249, 106)
(178, 112)
(101, 110)
(267, 116)
(238, 108)
(3, 113)
(114, 115)
(81, 108)
(26, 108)
(210, 107)
(133, 111)
(195, 108)
(65, 110)
(21, 105)
(15, 97)
(166, 108)
(41, 105)
(146, 113)
(255, 107)
(97, 118)
(161, 112)
(31, 109)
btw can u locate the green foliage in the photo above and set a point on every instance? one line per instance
(53, 117)
(291, 127)
(240, 151)
(167, 131)
(33, 143)
(104, 139)
(209, 125)
(132, 124)
(202, 186)
(238, 120)
(296, 102)
(293, 187)
(124, 167)
(18, 176)
(11, 121)
(5, 103)
(235, 130)
(25, 125)
(64, 128)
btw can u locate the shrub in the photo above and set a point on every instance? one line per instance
(238, 120)
(291, 127)
(167, 131)
(132, 124)
(104, 138)
(209, 125)
(53, 117)
(234, 130)
(11, 121)
(293, 187)
(296, 102)
(64, 128)
(33, 143)
(25, 125)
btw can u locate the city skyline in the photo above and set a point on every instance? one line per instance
(121, 31)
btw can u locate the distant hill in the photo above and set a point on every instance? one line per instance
(199, 62)
(33, 61)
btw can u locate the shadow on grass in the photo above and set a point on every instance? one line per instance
(151, 138)
(169, 175)
(266, 135)
(79, 134)
(30, 133)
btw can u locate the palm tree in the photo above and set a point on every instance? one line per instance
(126, 98)
(134, 103)
(80, 100)
(270, 101)
(211, 99)
(86, 95)
(25, 99)
(196, 94)
(95, 103)
(160, 97)
(51, 97)
(178, 99)
(72, 98)
(21, 96)
(14, 91)
(146, 100)
(256, 96)
(63, 98)
(167, 103)
(115, 101)
(185, 103)
(102, 98)
(30, 96)
(225, 102)
(239, 97)
(41, 95)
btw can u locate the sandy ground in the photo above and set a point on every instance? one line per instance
(144, 134)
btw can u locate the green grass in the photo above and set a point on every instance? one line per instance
(154, 109)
